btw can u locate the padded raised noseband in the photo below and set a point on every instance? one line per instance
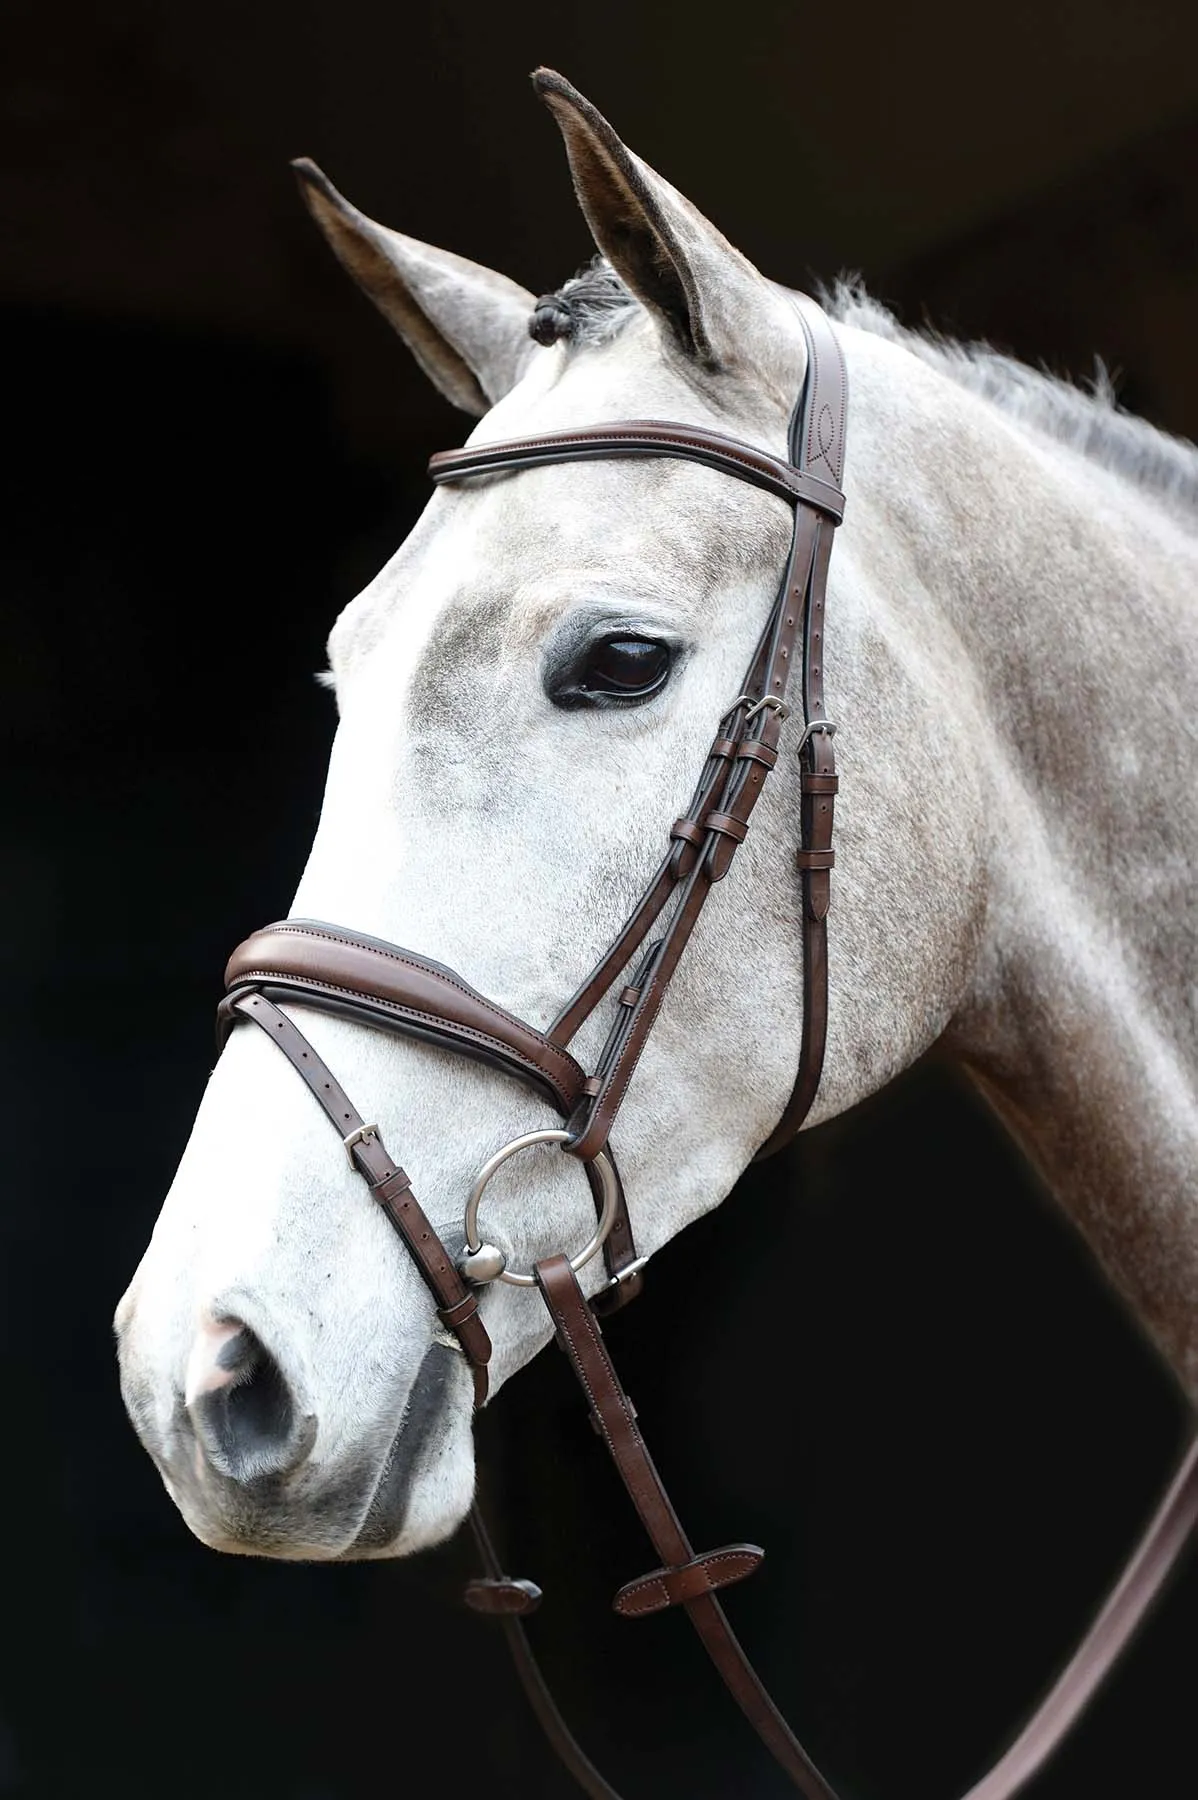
(367, 979)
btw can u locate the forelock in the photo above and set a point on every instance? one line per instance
(592, 307)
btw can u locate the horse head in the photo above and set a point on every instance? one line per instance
(525, 694)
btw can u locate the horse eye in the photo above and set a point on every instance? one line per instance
(626, 668)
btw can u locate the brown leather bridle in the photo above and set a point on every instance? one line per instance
(378, 984)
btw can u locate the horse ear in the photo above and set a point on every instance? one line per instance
(704, 292)
(466, 326)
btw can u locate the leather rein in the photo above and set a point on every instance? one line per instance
(381, 985)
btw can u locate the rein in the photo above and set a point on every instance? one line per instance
(381, 985)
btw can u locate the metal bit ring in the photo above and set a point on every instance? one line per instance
(609, 1184)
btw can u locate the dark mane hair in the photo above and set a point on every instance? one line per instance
(590, 308)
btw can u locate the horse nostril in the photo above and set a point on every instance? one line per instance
(241, 1407)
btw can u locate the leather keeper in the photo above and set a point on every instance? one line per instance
(597, 1423)
(817, 893)
(674, 1587)
(502, 1597)
(812, 783)
(753, 750)
(391, 1187)
(727, 825)
(688, 831)
(629, 996)
(815, 859)
(456, 1315)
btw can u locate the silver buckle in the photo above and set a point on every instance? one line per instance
(358, 1137)
(814, 725)
(778, 706)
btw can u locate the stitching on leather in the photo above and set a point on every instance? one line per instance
(813, 353)
(589, 1326)
(598, 434)
(411, 1011)
(654, 991)
(643, 1587)
(843, 399)
(811, 416)
(409, 962)
(759, 461)
(616, 1092)
(701, 1565)
(784, 480)
(841, 388)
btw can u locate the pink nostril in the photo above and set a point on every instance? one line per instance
(212, 1364)
(241, 1407)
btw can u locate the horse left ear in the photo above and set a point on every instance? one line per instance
(711, 301)
(466, 325)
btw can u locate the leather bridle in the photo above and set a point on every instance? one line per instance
(378, 984)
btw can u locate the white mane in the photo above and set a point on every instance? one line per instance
(1086, 420)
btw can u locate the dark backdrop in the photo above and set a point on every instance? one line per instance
(891, 1362)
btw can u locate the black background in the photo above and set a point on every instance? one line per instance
(891, 1361)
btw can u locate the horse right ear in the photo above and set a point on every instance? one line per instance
(710, 302)
(466, 326)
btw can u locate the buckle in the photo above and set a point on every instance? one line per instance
(810, 729)
(358, 1137)
(623, 1275)
(775, 705)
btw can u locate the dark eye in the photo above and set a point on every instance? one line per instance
(625, 668)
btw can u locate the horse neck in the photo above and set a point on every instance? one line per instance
(1070, 592)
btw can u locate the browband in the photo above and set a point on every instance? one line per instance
(645, 437)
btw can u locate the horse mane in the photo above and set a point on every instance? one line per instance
(1086, 419)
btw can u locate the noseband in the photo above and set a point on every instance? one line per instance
(378, 984)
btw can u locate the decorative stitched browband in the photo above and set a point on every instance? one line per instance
(645, 437)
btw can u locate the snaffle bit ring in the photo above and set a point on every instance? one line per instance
(488, 1263)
